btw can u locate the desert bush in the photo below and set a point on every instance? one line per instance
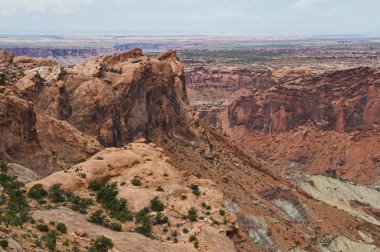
(136, 182)
(97, 217)
(4, 167)
(115, 226)
(42, 228)
(118, 208)
(50, 240)
(192, 214)
(17, 209)
(195, 189)
(196, 244)
(183, 197)
(143, 220)
(160, 189)
(37, 192)
(3, 244)
(61, 227)
(192, 238)
(101, 244)
(156, 205)
(123, 216)
(95, 185)
(56, 193)
(160, 219)
(107, 193)
(222, 212)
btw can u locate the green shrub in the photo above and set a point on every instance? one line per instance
(61, 227)
(50, 240)
(42, 228)
(118, 207)
(95, 185)
(142, 218)
(195, 190)
(185, 230)
(192, 238)
(136, 182)
(15, 218)
(115, 226)
(192, 214)
(183, 197)
(196, 244)
(107, 193)
(4, 167)
(37, 192)
(222, 212)
(160, 219)
(160, 189)
(38, 242)
(194, 187)
(17, 210)
(101, 244)
(97, 217)
(124, 216)
(56, 193)
(4, 244)
(85, 202)
(156, 205)
(78, 203)
(10, 183)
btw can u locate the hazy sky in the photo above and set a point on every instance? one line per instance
(190, 16)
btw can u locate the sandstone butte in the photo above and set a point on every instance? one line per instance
(126, 118)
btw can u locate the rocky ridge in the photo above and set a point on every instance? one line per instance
(147, 164)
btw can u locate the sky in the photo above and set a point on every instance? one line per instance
(190, 17)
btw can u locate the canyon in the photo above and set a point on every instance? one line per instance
(318, 122)
(255, 151)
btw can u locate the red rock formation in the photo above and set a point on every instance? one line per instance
(117, 98)
(234, 80)
(339, 103)
(342, 101)
(19, 137)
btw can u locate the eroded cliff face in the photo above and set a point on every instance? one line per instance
(319, 122)
(107, 101)
(211, 89)
(19, 138)
(116, 98)
(341, 101)
(214, 89)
